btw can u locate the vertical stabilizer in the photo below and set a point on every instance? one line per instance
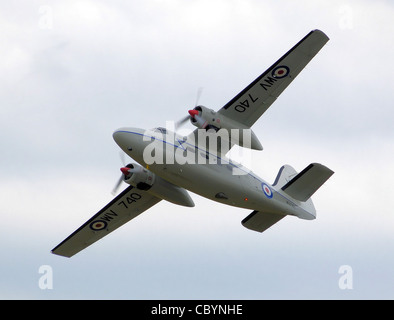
(285, 174)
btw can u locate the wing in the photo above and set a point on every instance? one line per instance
(255, 99)
(126, 206)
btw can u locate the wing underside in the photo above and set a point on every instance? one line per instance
(126, 206)
(247, 107)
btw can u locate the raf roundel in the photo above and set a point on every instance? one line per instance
(280, 72)
(98, 225)
(267, 190)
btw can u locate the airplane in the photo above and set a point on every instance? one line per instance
(169, 165)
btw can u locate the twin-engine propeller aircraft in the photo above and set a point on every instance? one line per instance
(169, 164)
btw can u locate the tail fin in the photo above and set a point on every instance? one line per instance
(285, 174)
(305, 184)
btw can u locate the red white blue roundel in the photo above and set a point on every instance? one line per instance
(267, 190)
(280, 72)
(98, 225)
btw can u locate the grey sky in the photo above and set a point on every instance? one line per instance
(73, 72)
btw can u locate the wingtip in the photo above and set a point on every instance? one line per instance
(321, 32)
(58, 254)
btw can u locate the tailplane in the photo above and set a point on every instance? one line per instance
(302, 186)
(261, 221)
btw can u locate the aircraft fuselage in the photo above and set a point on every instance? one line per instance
(211, 176)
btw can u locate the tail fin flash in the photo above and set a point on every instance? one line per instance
(306, 183)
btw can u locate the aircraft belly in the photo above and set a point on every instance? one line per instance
(208, 180)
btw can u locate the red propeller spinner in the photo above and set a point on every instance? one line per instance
(193, 113)
(125, 171)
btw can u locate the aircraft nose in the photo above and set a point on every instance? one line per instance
(119, 136)
(123, 138)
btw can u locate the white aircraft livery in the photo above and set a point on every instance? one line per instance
(168, 165)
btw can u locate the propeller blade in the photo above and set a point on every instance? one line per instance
(116, 188)
(126, 172)
(181, 122)
(199, 92)
(123, 161)
(122, 157)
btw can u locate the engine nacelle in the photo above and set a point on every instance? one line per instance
(209, 119)
(143, 179)
(139, 177)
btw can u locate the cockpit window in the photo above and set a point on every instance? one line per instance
(160, 129)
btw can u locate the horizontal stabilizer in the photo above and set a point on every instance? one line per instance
(306, 183)
(261, 221)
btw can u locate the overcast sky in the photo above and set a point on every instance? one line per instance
(74, 71)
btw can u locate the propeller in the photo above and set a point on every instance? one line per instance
(195, 114)
(126, 171)
(192, 115)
